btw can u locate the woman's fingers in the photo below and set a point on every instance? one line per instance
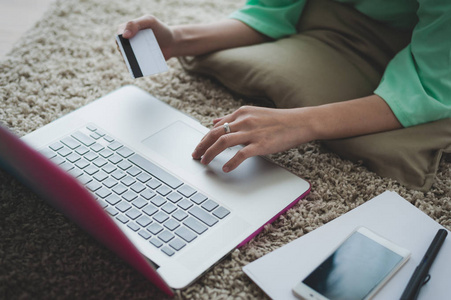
(261, 131)
(131, 28)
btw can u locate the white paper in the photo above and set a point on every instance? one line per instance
(390, 216)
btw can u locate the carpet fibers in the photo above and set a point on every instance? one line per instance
(69, 59)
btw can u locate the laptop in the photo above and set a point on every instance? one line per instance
(121, 168)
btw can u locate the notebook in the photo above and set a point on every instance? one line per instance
(121, 168)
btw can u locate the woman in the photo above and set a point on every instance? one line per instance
(415, 87)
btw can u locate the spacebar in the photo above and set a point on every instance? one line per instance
(155, 171)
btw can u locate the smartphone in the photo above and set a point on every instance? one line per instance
(357, 269)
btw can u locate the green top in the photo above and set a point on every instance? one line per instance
(417, 81)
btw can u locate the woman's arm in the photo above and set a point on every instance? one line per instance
(192, 40)
(264, 131)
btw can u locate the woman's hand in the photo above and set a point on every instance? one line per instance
(164, 34)
(264, 130)
(192, 40)
(261, 131)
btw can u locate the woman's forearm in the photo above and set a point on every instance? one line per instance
(192, 40)
(352, 118)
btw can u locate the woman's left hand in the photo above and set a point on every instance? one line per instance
(261, 130)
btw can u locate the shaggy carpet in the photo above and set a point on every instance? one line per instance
(69, 59)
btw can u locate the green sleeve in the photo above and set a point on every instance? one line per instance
(417, 82)
(274, 18)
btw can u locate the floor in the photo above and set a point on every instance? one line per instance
(16, 17)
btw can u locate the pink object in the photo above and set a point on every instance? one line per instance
(66, 194)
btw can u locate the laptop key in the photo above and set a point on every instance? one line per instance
(168, 251)
(64, 152)
(109, 182)
(177, 244)
(138, 187)
(221, 212)
(124, 165)
(118, 174)
(195, 225)
(133, 213)
(198, 198)
(115, 146)
(155, 171)
(133, 226)
(122, 219)
(73, 157)
(154, 228)
(125, 152)
(109, 168)
(115, 159)
(90, 156)
(70, 142)
(113, 199)
(93, 186)
(153, 183)
(83, 138)
(163, 190)
(160, 217)
(209, 205)
(166, 236)
(185, 234)
(169, 208)
(100, 176)
(128, 181)
(100, 162)
(97, 147)
(186, 190)
(129, 196)
(119, 189)
(123, 206)
(203, 216)
(56, 146)
(145, 234)
(82, 163)
(112, 211)
(103, 192)
(158, 200)
(185, 204)
(156, 242)
(150, 210)
(144, 221)
(134, 171)
(179, 215)
(82, 150)
(174, 197)
(148, 194)
(143, 177)
(171, 224)
(139, 202)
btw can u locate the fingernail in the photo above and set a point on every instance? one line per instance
(195, 154)
(226, 169)
(126, 33)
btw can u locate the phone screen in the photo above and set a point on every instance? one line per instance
(354, 269)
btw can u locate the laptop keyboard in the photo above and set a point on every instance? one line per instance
(151, 202)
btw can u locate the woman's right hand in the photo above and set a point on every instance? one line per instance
(163, 33)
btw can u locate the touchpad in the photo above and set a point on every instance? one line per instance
(176, 143)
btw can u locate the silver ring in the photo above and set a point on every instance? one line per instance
(226, 128)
